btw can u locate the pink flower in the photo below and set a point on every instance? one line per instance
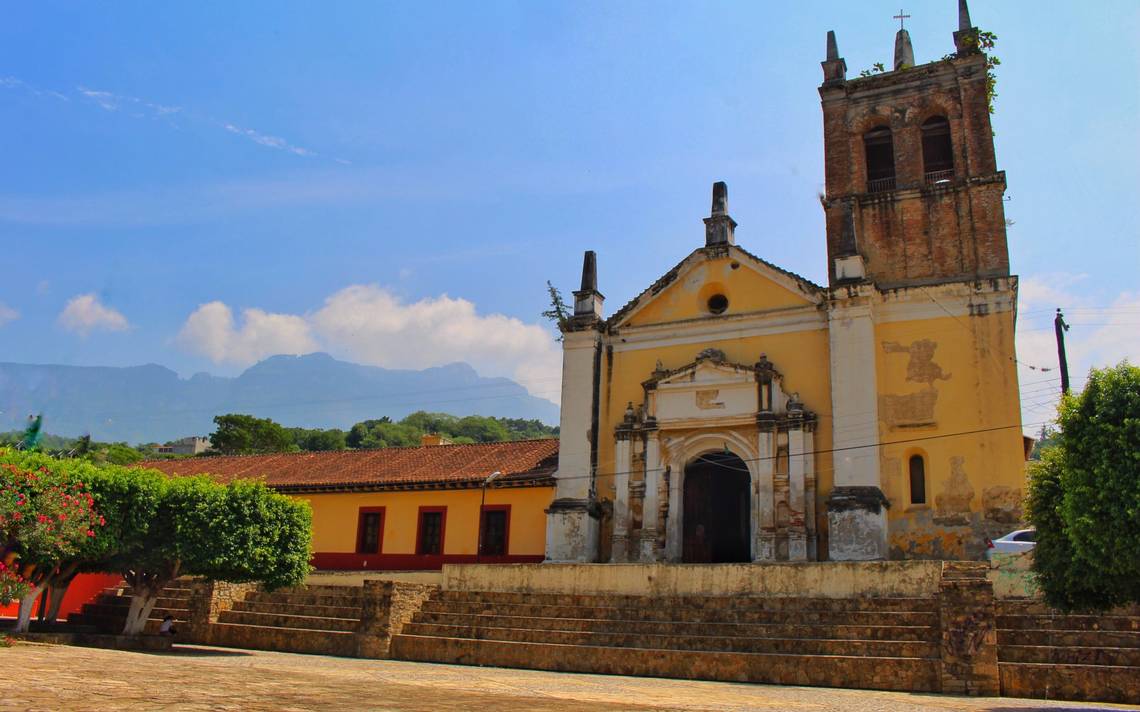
(90, 533)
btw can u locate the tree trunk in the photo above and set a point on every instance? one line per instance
(142, 603)
(55, 599)
(27, 605)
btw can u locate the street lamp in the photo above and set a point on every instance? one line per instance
(482, 501)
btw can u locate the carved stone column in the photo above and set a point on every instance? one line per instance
(623, 461)
(650, 506)
(810, 490)
(797, 532)
(675, 526)
(764, 495)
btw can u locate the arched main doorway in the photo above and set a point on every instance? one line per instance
(715, 519)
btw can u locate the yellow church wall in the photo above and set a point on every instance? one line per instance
(336, 517)
(940, 379)
(801, 356)
(688, 296)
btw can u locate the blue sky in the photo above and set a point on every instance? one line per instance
(395, 182)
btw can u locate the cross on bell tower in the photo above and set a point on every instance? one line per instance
(902, 19)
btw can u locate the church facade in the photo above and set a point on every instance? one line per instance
(734, 411)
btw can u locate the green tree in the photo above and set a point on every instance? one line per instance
(238, 434)
(1084, 496)
(239, 532)
(318, 440)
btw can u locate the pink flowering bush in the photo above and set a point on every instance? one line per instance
(44, 519)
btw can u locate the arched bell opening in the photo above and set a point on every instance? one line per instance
(715, 521)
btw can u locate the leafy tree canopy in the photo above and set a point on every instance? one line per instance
(238, 434)
(1084, 496)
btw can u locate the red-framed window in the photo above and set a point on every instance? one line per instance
(430, 531)
(495, 530)
(370, 530)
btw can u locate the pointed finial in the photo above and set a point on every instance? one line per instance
(904, 52)
(589, 272)
(720, 198)
(834, 68)
(719, 226)
(964, 16)
(966, 38)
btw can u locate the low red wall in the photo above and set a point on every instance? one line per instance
(83, 589)
(330, 561)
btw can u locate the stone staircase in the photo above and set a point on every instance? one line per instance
(876, 643)
(1046, 654)
(108, 612)
(304, 619)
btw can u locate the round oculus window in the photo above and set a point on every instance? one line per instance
(718, 303)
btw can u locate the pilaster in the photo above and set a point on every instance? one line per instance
(572, 519)
(623, 459)
(857, 519)
(650, 507)
(764, 507)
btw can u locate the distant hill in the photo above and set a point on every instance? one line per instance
(152, 404)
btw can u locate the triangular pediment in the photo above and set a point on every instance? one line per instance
(747, 283)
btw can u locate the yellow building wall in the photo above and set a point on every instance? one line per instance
(687, 297)
(336, 515)
(939, 381)
(803, 357)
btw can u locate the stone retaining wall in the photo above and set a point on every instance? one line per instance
(832, 579)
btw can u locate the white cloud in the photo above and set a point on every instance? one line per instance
(372, 325)
(1102, 333)
(84, 314)
(7, 314)
(267, 140)
(210, 331)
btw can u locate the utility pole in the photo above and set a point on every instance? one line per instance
(1061, 327)
(482, 502)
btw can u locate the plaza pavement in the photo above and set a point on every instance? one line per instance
(50, 677)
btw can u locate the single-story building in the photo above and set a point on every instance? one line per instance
(405, 508)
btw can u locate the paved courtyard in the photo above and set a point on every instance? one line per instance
(48, 677)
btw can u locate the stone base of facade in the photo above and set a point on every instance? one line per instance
(857, 520)
(572, 531)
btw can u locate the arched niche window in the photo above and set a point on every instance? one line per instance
(879, 147)
(917, 479)
(937, 150)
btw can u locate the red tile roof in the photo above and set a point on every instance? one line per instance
(522, 462)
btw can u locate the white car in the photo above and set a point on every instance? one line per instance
(1016, 542)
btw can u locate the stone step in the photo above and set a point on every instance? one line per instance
(326, 590)
(159, 612)
(680, 628)
(288, 640)
(1009, 607)
(715, 643)
(1092, 683)
(911, 674)
(1069, 638)
(1073, 655)
(661, 613)
(298, 609)
(929, 605)
(278, 620)
(1068, 622)
(124, 601)
(112, 624)
(306, 599)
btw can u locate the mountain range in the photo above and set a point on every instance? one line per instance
(152, 403)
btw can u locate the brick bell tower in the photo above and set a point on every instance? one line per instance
(913, 193)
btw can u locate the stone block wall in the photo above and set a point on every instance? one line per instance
(386, 608)
(208, 599)
(969, 649)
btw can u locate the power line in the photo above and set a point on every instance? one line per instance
(845, 448)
